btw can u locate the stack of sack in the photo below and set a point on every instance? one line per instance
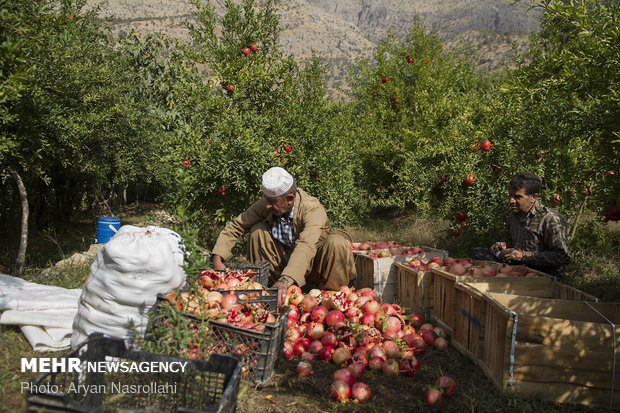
(122, 285)
(124, 280)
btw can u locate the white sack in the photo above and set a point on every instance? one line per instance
(47, 339)
(124, 280)
(18, 294)
(44, 313)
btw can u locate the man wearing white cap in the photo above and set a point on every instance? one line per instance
(290, 229)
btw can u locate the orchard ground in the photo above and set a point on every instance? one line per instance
(595, 271)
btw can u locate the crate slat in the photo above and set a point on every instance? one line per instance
(555, 358)
(567, 393)
(414, 289)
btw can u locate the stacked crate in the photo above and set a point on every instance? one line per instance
(379, 273)
(555, 349)
(445, 293)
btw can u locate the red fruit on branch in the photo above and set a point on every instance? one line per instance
(287, 148)
(456, 232)
(410, 60)
(186, 162)
(384, 79)
(461, 216)
(610, 174)
(555, 198)
(254, 47)
(470, 180)
(442, 180)
(246, 51)
(485, 145)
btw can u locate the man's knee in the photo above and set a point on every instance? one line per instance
(258, 228)
(336, 241)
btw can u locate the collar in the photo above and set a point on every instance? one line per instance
(534, 210)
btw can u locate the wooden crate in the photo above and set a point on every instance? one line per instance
(559, 350)
(444, 292)
(380, 273)
(469, 329)
(414, 289)
(377, 273)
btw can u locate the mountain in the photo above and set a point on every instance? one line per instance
(341, 31)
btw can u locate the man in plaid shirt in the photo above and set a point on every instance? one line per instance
(537, 233)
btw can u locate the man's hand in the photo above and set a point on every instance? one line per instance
(281, 292)
(498, 247)
(511, 254)
(218, 264)
(282, 288)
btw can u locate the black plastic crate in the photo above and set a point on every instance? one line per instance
(260, 267)
(260, 350)
(205, 386)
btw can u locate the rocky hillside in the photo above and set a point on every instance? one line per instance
(341, 31)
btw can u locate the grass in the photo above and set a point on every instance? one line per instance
(594, 270)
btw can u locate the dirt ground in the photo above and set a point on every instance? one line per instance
(289, 392)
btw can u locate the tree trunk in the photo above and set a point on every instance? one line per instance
(23, 242)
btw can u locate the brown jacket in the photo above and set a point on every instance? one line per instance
(310, 226)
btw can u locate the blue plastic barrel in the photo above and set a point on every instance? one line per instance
(104, 228)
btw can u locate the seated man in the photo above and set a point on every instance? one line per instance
(290, 229)
(537, 233)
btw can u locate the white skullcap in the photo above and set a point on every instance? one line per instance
(276, 181)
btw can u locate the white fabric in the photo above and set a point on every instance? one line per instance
(44, 313)
(124, 280)
(276, 181)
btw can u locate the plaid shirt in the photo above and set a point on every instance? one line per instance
(541, 235)
(282, 229)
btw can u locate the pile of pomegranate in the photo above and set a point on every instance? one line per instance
(381, 249)
(224, 308)
(228, 280)
(356, 332)
(418, 264)
(464, 267)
